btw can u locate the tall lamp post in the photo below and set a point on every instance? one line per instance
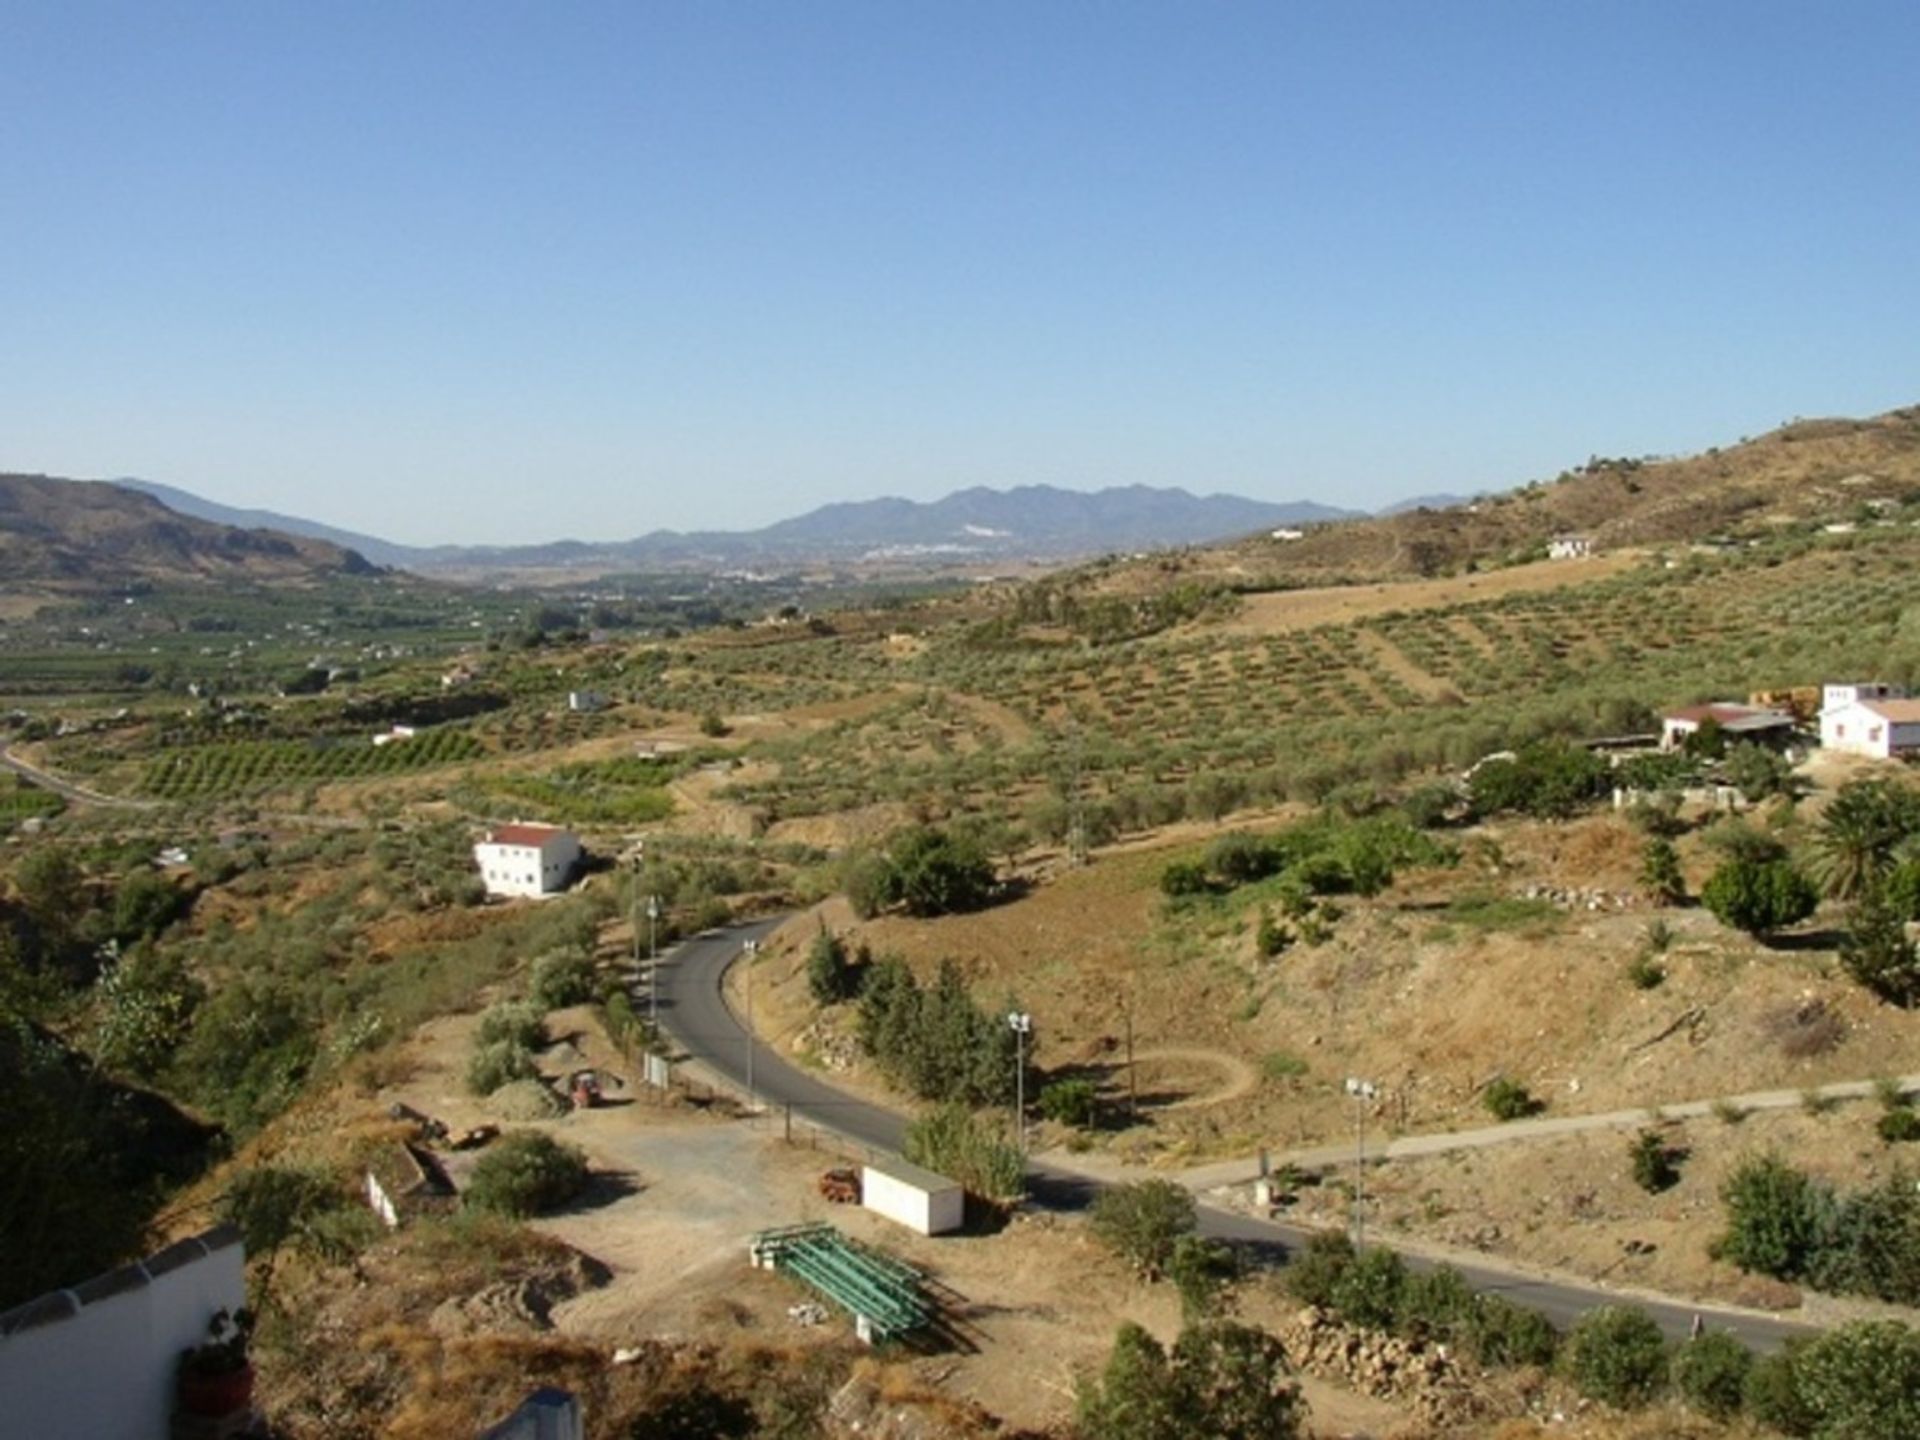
(653, 962)
(1363, 1092)
(1021, 1023)
(750, 949)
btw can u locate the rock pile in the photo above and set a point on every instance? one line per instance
(1569, 899)
(1416, 1373)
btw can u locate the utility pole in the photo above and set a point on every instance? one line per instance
(752, 948)
(653, 963)
(1076, 809)
(1363, 1092)
(1021, 1024)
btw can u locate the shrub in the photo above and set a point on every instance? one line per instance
(1508, 1099)
(562, 978)
(1070, 1102)
(936, 872)
(1899, 1126)
(952, 1140)
(1646, 972)
(933, 1039)
(1548, 778)
(1653, 1162)
(1773, 1218)
(1660, 871)
(1183, 878)
(1862, 1381)
(1202, 1271)
(1313, 1275)
(1224, 1380)
(1370, 1290)
(831, 975)
(1240, 858)
(1877, 953)
(1141, 1221)
(526, 1173)
(1617, 1355)
(499, 1063)
(1771, 1394)
(1504, 1334)
(513, 1022)
(1711, 1373)
(1271, 938)
(1757, 772)
(1760, 898)
(1437, 1306)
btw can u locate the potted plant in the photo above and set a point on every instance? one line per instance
(216, 1377)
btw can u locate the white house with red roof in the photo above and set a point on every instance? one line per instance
(1869, 718)
(527, 859)
(1736, 722)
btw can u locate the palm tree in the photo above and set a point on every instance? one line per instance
(1860, 832)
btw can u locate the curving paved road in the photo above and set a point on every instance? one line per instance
(66, 789)
(694, 1011)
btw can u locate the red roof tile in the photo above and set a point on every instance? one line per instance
(530, 835)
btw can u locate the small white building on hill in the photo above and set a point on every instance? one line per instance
(1737, 722)
(527, 859)
(1869, 718)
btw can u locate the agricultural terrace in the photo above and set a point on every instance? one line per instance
(1202, 720)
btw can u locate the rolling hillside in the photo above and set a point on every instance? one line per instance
(76, 536)
(1806, 472)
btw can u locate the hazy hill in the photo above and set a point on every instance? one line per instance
(1827, 471)
(80, 534)
(185, 502)
(1030, 522)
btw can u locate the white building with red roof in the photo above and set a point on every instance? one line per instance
(1870, 718)
(1736, 722)
(527, 859)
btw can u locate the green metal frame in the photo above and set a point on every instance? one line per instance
(885, 1293)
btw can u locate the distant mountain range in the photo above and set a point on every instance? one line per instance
(78, 536)
(978, 525)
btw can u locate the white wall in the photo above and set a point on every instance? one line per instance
(933, 1205)
(523, 870)
(98, 1360)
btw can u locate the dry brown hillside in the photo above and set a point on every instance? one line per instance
(1833, 471)
(76, 535)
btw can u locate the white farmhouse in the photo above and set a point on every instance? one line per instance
(1738, 722)
(585, 702)
(1570, 547)
(527, 859)
(1869, 718)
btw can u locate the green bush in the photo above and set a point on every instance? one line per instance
(1877, 953)
(831, 973)
(1899, 1126)
(1771, 1394)
(1660, 871)
(561, 978)
(1508, 1099)
(526, 1173)
(1503, 1334)
(1070, 1102)
(1862, 1381)
(934, 1040)
(1370, 1290)
(1760, 897)
(513, 1022)
(952, 1141)
(1646, 972)
(1222, 1380)
(1773, 1218)
(1617, 1355)
(1711, 1373)
(1547, 778)
(1203, 1271)
(1653, 1162)
(1313, 1275)
(499, 1063)
(1141, 1221)
(1183, 878)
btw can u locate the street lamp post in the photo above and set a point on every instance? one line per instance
(1021, 1024)
(1363, 1092)
(653, 962)
(751, 949)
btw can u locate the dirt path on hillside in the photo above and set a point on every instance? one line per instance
(1286, 610)
(1396, 664)
(1238, 1078)
(1003, 720)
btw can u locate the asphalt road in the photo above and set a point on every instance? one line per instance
(66, 789)
(694, 1011)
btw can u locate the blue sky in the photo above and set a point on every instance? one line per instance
(501, 272)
